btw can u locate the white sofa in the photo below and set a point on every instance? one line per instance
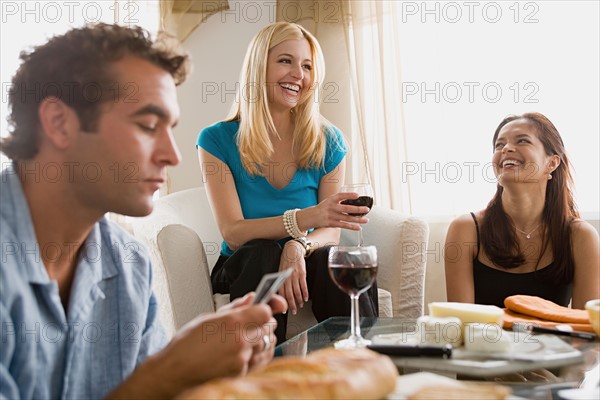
(184, 243)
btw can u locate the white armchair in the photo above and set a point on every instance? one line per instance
(184, 244)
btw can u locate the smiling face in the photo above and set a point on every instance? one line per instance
(289, 66)
(519, 155)
(126, 157)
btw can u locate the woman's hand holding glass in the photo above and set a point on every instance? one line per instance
(329, 213)
(333, 213)
(364, 199)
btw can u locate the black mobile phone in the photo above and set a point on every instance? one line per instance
(269, 285)
(412, 350)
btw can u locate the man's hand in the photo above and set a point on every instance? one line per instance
(277, 303)
(225, 343)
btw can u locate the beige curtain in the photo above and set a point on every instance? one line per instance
(182, 17)
(369, 74)
(374, 57)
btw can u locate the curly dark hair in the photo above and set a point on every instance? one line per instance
(76, 68)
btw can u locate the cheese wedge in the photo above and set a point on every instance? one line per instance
(467, 313)
(439, 331)
(487, 338)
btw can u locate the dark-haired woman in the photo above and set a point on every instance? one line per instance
(530, 239)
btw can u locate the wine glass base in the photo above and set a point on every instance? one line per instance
(352, 343)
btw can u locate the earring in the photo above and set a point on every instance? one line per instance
(549, 176)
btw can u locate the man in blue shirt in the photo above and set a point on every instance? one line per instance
(92, 117)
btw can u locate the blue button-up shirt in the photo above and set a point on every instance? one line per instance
(111, 324)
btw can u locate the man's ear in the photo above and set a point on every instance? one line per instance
(59, 123)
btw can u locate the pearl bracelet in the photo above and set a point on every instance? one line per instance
(291, 224)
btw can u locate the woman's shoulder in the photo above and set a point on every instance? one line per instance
(331, 129)
(464, 224)
(332, 132)
(221, 127)
(467, 219)
(581, 229)
(218, 134)
(334, 136)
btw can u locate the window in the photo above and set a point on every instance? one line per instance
(465, 66)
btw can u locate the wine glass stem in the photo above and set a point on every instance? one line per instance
(360, 237)
(354, 317)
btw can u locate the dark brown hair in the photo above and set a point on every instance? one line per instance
(76, 68)
(498, 236)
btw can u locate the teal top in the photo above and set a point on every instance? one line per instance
(258, 198)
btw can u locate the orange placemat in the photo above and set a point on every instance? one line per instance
(510, 317)
(545, 309)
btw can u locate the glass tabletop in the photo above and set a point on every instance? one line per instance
(535, 384)
(333, 329)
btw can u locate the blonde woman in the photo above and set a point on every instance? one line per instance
(273, 170)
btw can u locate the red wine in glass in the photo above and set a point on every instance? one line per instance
(353, 269)
(353, 279)
(362, 201)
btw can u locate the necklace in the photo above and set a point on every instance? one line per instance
(527, 235)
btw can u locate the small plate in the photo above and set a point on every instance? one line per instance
(524, 347)
(528, 352)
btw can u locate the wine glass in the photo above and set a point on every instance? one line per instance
(353, 269)
(365, 199)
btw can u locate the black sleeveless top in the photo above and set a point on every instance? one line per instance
(492, 285)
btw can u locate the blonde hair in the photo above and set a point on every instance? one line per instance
(251, 106)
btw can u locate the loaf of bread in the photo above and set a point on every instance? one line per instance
(324, 374)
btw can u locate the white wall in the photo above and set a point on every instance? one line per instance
(217, 48)
(336, 92)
